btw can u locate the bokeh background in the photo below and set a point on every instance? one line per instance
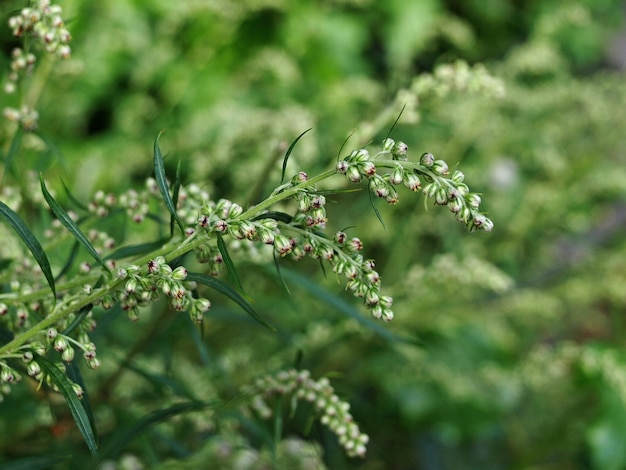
(507, 349)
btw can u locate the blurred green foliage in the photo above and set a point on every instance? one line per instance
(507, 348)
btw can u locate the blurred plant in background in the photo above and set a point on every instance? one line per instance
(506, 348)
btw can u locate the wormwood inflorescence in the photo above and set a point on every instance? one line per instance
(57, 319)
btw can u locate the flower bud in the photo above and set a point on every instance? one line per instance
(179, 274)
(441, 197)
(33, 369)
(399, 151)
(427, 160)
(353, 174)
(368, 169)
(388, 144)
(342, 167)
(473, 200)
(397, 175)
(282, 244)
(440, 167)
(412, 181)
(457, 177)
(60, 344)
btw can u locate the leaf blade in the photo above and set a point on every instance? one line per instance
(31, 242)
(288, 153)
(81, 418)
(70, 225)
(229, 292)
(159, 176)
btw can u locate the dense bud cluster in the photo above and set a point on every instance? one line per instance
(433, 173)
(43, 25)
(335, 413)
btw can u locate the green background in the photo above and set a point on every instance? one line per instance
(507, 348)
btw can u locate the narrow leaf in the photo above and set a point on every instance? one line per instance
(81, 418)
(40, 462)
(71, 197)
(229, 292)
(69, 224)
(395, 122)
(279, 216)
(175, 191)
(73, 374)
(13, 149)
(289, 150)
(159, 175)
(135, 250)
(280, 275)
(70, 260)
(30, 241)
(230, 266)
(378, 216)
(344, 144)
(340, 305)
(120, 440)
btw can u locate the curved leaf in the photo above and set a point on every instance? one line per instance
(30, 241)
(229, 292)
(81, 417)
(230, 266)
(289, 150)
(159, 176)
(69, 224)
(120, 440)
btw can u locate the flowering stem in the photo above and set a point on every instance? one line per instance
(169, 251)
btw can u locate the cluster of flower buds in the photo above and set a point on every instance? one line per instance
(26, 116)
(450, 191)
(44, 23)
(335, 412)
(140, 289)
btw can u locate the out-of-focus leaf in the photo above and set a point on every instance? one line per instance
(80, 415)
(119, 441)
(288, 153)
(30, 241)
(159, 175)
(69, 224)
(229, 292)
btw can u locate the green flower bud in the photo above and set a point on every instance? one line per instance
(179, 274)
(473, 200)
(457, 177)
(388, 144)
(427, 160)
(440, 167)
(399, 151)
(412, 181)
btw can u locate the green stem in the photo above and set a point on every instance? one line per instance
(169, 251)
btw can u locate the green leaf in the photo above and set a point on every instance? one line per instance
(40, 462)
(13, 149)
(280, 275)
(229, 292)
(289, 150)
(340, 305)
(175, 191)
(135, 250)
(378, 216)
(69, 224)
(279, 216)
(81, 417)
(230, 266)
(30, 241)
(159, 175)
(73, 374)
(120, 439)
(395, 122)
